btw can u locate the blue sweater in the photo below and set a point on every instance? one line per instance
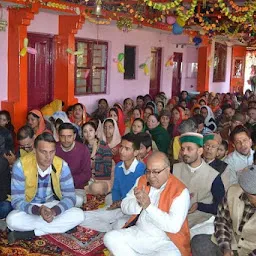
(123, 183)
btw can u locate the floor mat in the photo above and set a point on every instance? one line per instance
(83, 242)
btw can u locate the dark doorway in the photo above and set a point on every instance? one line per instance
(40, 71)
(176, 75)
(155, 71)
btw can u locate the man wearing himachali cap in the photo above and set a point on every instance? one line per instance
(235, 223)
(204, 183)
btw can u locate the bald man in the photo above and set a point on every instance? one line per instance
(159, 205)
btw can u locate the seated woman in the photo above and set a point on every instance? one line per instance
(160, 106)
(79, 116)
(101, 162)
(128, 108)
(178, 114)
(138, 126)
(36, 121)
(5, 121)
(165, 121)
(136, 113)
(158, 133)
(112, 137)
(101, 112)
(118, 115)
(149, 110)
(209, 119)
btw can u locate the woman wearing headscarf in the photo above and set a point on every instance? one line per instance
(36, 121)
(118, 115)
(112, 137)
(101, 112)
(209, 119)
(178, 114)
(158, 133)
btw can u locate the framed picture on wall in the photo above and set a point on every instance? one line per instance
(238, 67)
(220, 62)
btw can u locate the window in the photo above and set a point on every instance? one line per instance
(91, 67)
(129, 62)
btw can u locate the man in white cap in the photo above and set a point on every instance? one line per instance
(204, 183)
(235, 223)
(212, 142)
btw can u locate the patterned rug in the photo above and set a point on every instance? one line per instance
(84, 242)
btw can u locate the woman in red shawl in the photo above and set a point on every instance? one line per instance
(178, 114)
(118, 115)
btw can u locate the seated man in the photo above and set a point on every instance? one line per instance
(203, 182)
(235, 223)
(78, 158)
(43, 194)
(211, 145)
(243, 154)
(145, 146)
(126, 173)
(25, 138)
(159, 203)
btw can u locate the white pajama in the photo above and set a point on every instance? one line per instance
(104, 220)
(80, 197)
(21, 221)
(148, 237)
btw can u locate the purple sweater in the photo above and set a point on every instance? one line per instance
(79, 161)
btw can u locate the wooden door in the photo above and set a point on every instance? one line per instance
(40, 71)
(177, 71)
(155, 71)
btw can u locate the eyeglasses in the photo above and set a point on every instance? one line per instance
(210, 146)
(155, 172)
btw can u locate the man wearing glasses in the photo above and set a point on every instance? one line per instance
(25, 137)
(211, 144)
(158, 203)
(204, 183)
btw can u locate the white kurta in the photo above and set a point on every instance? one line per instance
(148, 236)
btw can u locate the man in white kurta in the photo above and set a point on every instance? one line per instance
(148, 236)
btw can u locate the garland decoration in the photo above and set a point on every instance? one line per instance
(124, 24)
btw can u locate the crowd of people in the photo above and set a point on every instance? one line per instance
(178, 175)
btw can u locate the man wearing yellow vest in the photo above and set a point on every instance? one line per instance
(159, 203)
(43, 194)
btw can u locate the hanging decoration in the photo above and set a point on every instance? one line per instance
(119, 61)
(98, 21)
(124, 24)
(197, 40)
(169, 62)
(26, 49)
(177, 29)
(145, 65)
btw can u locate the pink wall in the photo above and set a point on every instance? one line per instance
(117, 88)
(221, 86)
(3, 59)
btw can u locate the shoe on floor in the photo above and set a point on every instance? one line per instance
(17, 235)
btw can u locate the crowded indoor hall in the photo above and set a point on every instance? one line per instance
(128, 128)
